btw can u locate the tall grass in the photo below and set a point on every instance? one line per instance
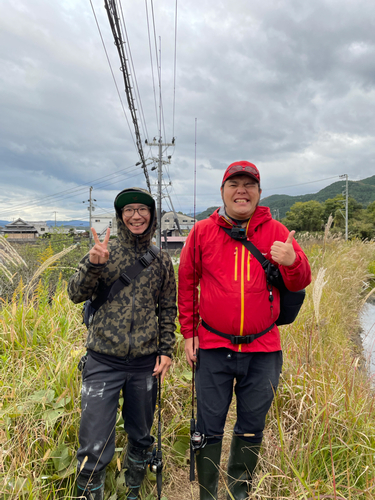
(320, 435)
(320, 438)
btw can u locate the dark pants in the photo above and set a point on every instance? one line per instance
(256, 376)
(101, 386)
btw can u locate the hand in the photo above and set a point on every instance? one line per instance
(283, 253)
(162, 366)
(191, 357)
(99, 253)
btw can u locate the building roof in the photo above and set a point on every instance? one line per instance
(175, 239)
(19, 226)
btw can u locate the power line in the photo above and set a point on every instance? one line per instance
(174, 70)
(302, 183)
(158, 61)
(76, 190)
(114, 22)
(133, 74)
(113, 76)
(151, 60)
(36, 201)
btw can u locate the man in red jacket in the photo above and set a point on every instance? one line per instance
(234, 300)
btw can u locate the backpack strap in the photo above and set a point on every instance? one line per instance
(250, 246)
(274, 277)
(126, 277)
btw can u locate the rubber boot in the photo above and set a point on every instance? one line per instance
(208, 460)
(91, 486)
(135, 465)
(243, 458)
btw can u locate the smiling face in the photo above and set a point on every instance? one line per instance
(241, 195)
(136, 223)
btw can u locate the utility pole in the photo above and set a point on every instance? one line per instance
(160, 145)
(55, 217)
(160, 161)
(346, 204)
(90, 208)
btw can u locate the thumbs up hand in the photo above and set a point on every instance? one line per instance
(283, 253)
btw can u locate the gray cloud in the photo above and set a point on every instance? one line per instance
(288, 85)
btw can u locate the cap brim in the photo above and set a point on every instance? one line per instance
(134, 197)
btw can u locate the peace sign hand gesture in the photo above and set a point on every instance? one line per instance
(99, 253)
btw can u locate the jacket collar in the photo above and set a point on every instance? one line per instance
(260, 216)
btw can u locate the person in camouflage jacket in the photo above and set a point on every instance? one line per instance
(123, 348)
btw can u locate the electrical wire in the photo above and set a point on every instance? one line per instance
(113, 76)
(158, 61)
(76, 190)
(174, 70)
(302, 183)
(133, 74)
(151, 60)
(114, 22)
(70, 193)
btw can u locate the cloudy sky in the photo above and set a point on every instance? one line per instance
(286, 84)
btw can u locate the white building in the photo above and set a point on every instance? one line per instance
(41, 227)
(102, 222)
(168, 223)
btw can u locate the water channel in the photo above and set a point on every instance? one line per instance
(368, 335)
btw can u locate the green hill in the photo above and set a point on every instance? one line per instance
(362, 191)
(206, 213)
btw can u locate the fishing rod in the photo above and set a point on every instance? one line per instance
(197, 440)
(156, 464)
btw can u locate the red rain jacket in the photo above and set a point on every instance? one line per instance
(233, 293)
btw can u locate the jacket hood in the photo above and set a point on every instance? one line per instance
(124, 234)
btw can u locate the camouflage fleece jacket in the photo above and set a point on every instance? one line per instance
(128, 326)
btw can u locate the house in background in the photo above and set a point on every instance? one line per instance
(40, 226)
(102, 222)
(173, 242)
(169, 224)
(20, 230)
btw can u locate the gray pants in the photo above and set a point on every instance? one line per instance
(101, 387)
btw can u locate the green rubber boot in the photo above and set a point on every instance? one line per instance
(91, 487)
(135, 465)
(208, 460)
(243, 458)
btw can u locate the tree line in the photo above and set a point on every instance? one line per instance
(312, 216)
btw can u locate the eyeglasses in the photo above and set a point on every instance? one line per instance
(129, 212)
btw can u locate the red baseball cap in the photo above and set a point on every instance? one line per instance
(241, 168)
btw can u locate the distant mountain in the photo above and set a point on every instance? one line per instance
(206, 213)
(69, 223)
(362, 191)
